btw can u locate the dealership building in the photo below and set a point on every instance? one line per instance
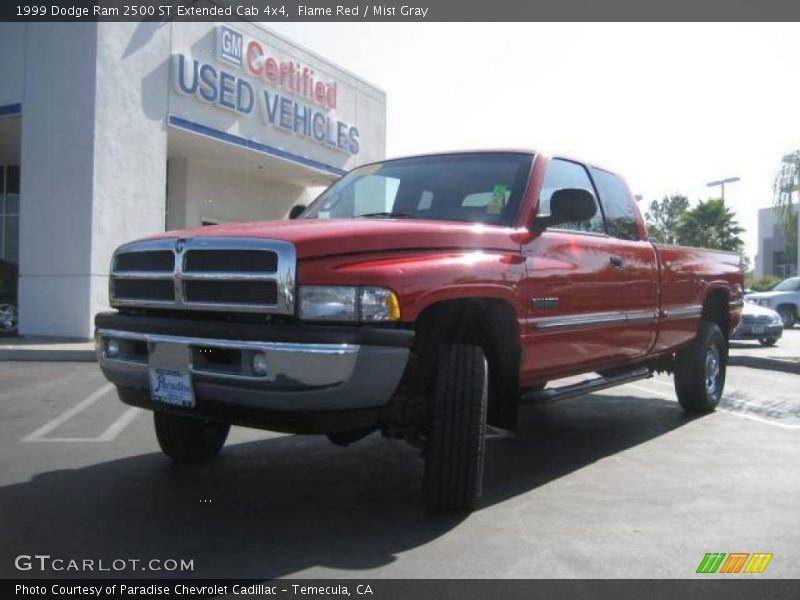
(114, 131)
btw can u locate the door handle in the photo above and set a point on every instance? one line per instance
(617, 262)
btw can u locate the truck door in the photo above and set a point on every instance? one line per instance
(638, 258)
(577, 290)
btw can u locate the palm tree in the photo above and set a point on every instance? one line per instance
(787, 182)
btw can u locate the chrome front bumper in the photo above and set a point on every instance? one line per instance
(299, 376)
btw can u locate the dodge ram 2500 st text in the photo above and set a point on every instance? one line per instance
(423, 297)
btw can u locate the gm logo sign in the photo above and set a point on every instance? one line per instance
(735, 562)
(230, 45)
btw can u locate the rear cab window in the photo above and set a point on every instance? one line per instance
(621, 217)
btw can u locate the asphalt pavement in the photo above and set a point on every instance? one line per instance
(616, 484)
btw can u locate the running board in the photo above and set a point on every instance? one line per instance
(585, 387)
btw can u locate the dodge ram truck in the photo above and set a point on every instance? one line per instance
(421, 297)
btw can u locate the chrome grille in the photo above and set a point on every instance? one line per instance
(222, 274)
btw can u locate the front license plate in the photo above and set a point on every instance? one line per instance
(171, 387)
(758, 330)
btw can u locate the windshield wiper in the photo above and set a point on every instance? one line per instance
(396, 215)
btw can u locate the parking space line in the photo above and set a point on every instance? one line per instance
(121, 423)
(38, 435)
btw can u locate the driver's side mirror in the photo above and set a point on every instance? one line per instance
(568, 205)
(296, 211)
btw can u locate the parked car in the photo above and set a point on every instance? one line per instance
(784, 299)
(8, 298)
(420, 297)
(759, 323)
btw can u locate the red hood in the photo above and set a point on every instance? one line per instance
(327, 237)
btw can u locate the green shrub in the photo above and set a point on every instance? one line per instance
(761, 284)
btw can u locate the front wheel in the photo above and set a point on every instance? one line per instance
(188, 440)
(455, 437)
(700, 370)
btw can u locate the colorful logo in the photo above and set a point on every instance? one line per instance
(736, 562)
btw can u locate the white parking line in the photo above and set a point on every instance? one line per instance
(736, 413)
(38, 435)
(121, 423)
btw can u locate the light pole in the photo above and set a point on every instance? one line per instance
(721, 183)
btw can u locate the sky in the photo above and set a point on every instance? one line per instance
(669, 106)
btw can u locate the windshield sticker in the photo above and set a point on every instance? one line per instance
(499, 197)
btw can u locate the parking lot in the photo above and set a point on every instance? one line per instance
(616, 484)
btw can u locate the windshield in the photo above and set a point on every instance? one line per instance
(788, 285)
(478, 188)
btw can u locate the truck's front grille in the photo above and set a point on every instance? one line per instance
(157, 290)
(231, 292)
(206, 274)
(237, 261)
(158, 261)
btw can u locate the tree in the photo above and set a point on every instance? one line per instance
(710, 224)
(662, 217)
(787, 182)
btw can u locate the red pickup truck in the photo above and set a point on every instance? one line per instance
(422, 297)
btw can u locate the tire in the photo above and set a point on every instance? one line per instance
(455, 439)
(767, 341)
(9, 318)
(187, 440)
(700, 370)
(788, 316)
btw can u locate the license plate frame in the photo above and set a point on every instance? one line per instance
(171, 387)
(759, 329)
(169, 374)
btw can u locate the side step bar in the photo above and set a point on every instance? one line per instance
(585, 387)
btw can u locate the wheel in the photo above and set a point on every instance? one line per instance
(767, 341)
(188, 440)
(455, 439)
(787, 316)
(8, 319)
(700, 370)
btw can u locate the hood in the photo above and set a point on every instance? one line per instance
(757, 311)
(765, 295)
(328, 237)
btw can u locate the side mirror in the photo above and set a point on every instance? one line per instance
(296, 211)
(568, 205)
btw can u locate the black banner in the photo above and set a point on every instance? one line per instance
(416, 589)
(405, 10)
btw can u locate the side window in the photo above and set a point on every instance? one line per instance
(621, 221)
(565, 174)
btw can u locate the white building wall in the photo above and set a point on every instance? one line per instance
(57, 170)
(130, 152)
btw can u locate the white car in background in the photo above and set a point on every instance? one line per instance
(784, 299)
(759, 323)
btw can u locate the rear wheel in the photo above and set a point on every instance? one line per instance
(767, 341)
(788, 316)
(455, 437)
(700, 370)
(188, 440)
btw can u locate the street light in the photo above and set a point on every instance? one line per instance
(721, 183)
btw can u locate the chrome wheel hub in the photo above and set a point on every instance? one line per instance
(713, 370)
(8, 317)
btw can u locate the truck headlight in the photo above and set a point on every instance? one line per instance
(347, 303)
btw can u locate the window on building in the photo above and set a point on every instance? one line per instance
(9, 213)
(562, 174)
(617, 206)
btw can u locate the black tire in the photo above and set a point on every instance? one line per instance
(788, 316)
(9, 318)
(767, 341)
(700, 370)
(188, 440)
(455, 440)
